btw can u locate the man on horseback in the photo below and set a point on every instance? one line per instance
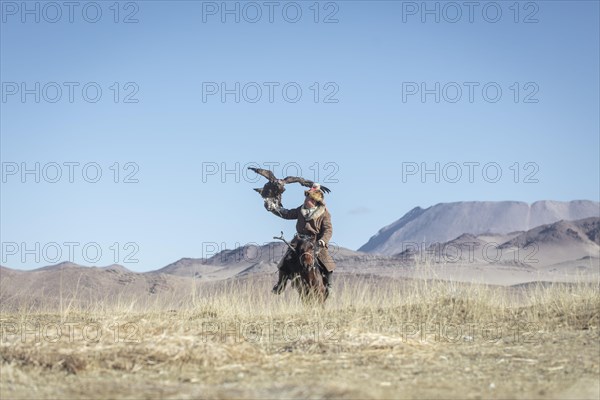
(314, 220)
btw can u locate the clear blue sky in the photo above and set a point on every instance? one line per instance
(373, 61)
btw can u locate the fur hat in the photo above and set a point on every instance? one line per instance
(316, 195)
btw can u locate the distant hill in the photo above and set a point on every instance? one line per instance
(570, 242)
(252, 259)
(67, 283)
(558, 242)
(446, 221)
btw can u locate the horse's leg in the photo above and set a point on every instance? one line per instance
(304, 284)
(323, 292)
(298, 283)
(281, 282)
(316, 287)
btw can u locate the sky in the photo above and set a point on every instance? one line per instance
(126, 128)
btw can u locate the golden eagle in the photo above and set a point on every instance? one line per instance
(272, 190)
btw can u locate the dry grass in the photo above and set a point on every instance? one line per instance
(374, 339)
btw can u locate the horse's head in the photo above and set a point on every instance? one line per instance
(306, 249)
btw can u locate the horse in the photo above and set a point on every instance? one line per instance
(302, 267)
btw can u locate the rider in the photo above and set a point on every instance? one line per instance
(314, 220)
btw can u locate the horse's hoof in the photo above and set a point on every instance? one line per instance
(276, 289)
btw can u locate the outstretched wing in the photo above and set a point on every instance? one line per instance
(304, 182)
(264, 172)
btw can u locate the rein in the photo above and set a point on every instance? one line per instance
(311, 266)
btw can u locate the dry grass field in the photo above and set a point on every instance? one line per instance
(375, 338)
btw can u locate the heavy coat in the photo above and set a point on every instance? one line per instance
(318, 224)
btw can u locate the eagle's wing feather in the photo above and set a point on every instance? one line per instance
(304, 182)
(264, 172)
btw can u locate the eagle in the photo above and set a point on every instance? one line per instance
(272, 190)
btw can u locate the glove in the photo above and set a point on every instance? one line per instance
(269, 206)
(274, 209)
(321, 243)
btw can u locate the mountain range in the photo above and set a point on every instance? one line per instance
(446, 221)
(492, 252)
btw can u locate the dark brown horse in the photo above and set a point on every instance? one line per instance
(302, 267)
